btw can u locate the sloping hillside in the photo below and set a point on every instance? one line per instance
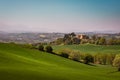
(90, 48)
(17, 63)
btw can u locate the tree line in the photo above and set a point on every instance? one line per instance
(71, 38)
(90, 59)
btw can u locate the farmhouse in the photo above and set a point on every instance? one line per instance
(82, 36)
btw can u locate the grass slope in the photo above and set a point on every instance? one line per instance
(17, 63)
(89, 48)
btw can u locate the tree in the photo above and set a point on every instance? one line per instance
(102, 41)
(97, 42)
(116, 61)
(74, 56)
(104, 59)
(66, 36)
(94, 37)
(41, 47)
(49, 49)
(88, 59)
(76, 41)
(63, 54)
(109, 58)
(59, 41)
(72, 34)
(70, 39)
(110, 41)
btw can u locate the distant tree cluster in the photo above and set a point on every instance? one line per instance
(68, 39)
(113, 41)
(71, 38)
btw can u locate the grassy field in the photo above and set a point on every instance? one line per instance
(89, 48)
(17, 63)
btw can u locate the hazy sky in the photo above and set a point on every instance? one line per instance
(59, 15)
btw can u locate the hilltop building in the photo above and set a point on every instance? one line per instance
(82, 36)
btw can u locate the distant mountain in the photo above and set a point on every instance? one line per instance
(107, 32)
(2, 32)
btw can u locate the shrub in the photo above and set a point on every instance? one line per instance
(48, 49)
(88, 59)
(116, 62)
(111, 57)
(75, 56)
(102, 41)
(63, 54)
(97, 58)
(41, 47)
(28, 46)
(104, 58)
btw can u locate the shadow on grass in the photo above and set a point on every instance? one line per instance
(70, 59)
(113, 72)
(73, 60)
(91, 65)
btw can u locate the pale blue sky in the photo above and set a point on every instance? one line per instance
(59, 15)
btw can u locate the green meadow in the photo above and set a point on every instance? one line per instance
(89, 48)
(18, 63)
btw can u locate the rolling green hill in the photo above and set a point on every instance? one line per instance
(89, 48)
(17, 63)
